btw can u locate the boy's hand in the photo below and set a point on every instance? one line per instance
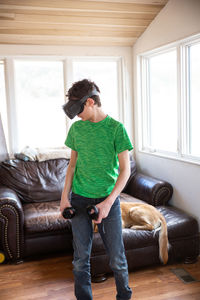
(64, 203)
(104, 209)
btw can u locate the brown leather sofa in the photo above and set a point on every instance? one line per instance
(30, 222)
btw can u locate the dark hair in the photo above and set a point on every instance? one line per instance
(81, 88)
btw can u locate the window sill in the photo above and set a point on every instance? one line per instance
(185, 159)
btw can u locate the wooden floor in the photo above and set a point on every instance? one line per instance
(52, 279)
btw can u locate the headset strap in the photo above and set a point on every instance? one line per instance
(94, 92)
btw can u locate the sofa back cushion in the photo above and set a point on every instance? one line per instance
(34, 181)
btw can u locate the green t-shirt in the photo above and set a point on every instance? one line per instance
(97, 145)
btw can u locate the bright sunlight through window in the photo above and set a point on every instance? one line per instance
(163, 101)
(3, 105)
(39, 100)
(104, 74)
(194, 98)
(170, 93)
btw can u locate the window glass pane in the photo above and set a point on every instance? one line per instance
(39, 100)
(104, 74)
(163, 101)
(3, 105)
(194, 99)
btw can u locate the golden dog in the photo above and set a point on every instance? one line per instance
(141, 216)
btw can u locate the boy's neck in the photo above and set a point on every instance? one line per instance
(98, 115)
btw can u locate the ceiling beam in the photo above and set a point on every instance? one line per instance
(123, 15)
(65, 40)
(69, 5)
(42, 19)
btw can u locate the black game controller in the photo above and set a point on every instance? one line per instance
(93, 212)
(69, 212)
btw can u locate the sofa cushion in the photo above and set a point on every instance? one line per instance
(180, 226)
(34, 181)
(128, 198)
(45, 218)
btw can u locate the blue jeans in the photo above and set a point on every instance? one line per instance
(110, 230)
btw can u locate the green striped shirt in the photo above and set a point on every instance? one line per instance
(97, 145)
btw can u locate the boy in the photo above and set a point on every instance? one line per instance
(99, 147)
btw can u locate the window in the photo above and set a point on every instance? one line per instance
(32, 109)
(105, 74)
(169, 106)
(3, 104)
(163, 102)
(39, 93)
(194, 98)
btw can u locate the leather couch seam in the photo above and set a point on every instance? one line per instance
(6, 230)
(158, 193)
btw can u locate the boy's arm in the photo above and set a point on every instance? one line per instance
(124, 165)
(68, 181)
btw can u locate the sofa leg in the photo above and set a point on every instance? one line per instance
(16, 262)
(191, 260)
(99, 278)
(19, 261)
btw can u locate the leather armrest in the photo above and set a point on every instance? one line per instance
(8, 196)
(151, 190)
(12, 223)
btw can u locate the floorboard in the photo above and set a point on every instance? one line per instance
(52, 278)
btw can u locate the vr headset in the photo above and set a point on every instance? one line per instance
(74, 107)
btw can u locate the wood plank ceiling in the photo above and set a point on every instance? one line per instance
(78, 22)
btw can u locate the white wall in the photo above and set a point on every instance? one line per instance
(177, 20)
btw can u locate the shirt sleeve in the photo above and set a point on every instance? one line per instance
(122, 141)
(69, 142)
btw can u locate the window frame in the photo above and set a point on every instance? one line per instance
(67, 78)
(4, 118)
(118, 60)
(183, 101)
